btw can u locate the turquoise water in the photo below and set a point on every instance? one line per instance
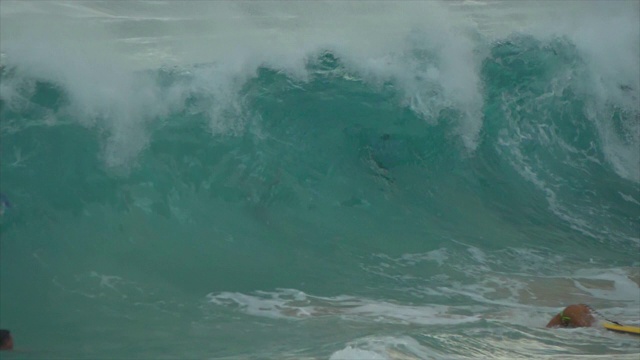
(297, 183)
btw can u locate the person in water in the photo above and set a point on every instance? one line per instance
(578, 315)
(4, 204)
(6, 341)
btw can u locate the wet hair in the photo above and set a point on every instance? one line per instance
(5, 335)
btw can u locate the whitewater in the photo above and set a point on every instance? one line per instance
(318, 180)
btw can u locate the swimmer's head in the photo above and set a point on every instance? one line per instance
(6, 341)
(578, 315)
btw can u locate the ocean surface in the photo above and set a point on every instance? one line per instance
(318, 180)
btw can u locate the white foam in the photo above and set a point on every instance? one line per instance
(429, 49)
(384, 348)
(354, 353)
(535, 282)
(629, 198)
(624, 289)
(294, 304)
(608, 37)
(439, 256)
(93, 50)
